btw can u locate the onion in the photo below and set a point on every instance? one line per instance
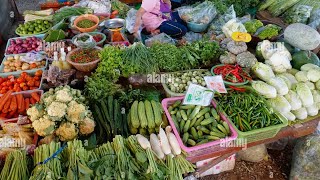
(28, 38)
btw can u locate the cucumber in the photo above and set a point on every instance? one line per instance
(200, 133)
(178, 115)
(195, 111)
(143, 131)
(220, 135)
(184, 115)
(213, 138)
(176, 104)
(185, 137)
(170, 109)
(150, 115)
(203, 129)
(199, 121)
(134, 115)
(203, 112)
(191, 142)
(187, 107)
(182, 123)
(142, 115)
(156, 113)
(214, 113)
(189, 112)
(193, 121)
(207, 115)
(186, 126)
(202, 141)
(194, 133)
(222, 129)
(226, 126)
(165, 121)
(207, 121)
(173, 111)
(176, 124)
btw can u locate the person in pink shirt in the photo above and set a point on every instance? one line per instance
(157, 17)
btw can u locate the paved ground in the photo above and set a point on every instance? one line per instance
(27, 5)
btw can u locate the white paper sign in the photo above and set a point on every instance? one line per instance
(198, 95)
(215, 83)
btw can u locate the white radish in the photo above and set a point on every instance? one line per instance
(168, 129)
(164, 142)
(174, 143)
(155, 146)
(143, 141)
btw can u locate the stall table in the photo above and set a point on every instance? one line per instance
(295, 131)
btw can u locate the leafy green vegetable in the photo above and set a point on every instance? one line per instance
(67, 12)
(253, 25)
(122, 8)
(269, 31)
(98, 87)
(241, 7)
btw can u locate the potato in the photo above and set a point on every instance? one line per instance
(6, 70)
(6, 63)
(10, 58)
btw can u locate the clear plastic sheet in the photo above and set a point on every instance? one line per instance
(298, 14)
(84, 40)
(306, 157)
(191, 37)
(98, 7)
(131, 20)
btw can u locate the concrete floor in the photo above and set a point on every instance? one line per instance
(27, 5)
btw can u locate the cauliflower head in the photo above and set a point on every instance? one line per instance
(63, 95)
(44, 126)
(57, 110)
(86, 126)
(35, 112)
(76, 112)
(67, 131)
(48, 99)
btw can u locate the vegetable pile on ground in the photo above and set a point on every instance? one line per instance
(62, 112)
(111, 119)
(248, 110)
(179, 82)
(13, 105)
(15, 63)
(198, 124)
(145, 117)
(23, 82)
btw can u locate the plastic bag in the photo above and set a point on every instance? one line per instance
(159, 38)
(216, 25)
(32, 57)
(191, 37)
(306, 157)
(198, 95)
(298, 14)
(203, 13)
(232, 26)
(98, 7)
(131, 20)
(84, 40)
(314, 20)
(253, 154)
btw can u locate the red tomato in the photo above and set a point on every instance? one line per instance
(31, 88)
(5, 88)
(10, 87)
(18, 89)
(30, 83)
(38, 73)
(24, 74)
(9, 83)
(28, 78)
(2, 91)
(25, 88)
(1, 80)
(37, 83)
(20, 80)
(36, 78)
(22, 84)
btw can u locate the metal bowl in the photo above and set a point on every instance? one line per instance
(114, 23)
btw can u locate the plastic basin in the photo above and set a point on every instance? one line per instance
(84, 67)
(89, 17)
(197, 27)
(211, 144)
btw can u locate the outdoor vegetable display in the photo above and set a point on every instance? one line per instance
(247, 110)
(198, 124)
(23, 82)
(63, 112)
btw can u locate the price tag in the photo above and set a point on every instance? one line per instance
(198, 95)
(215, 83)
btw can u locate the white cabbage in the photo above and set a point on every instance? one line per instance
(310, 85)
(280, 104)
(264, 89)
(280, 61)
(313, 110)
(305, 94)
(313, 75)
(301, 113)
(301, 76)
(289, 116)
(307, 67)
(279, 84)
(286, 80)
(318, 85)
(262, 71)
(294, 100)
(316, 95)
(291, 77)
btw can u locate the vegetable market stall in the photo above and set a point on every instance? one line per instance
(103, 106)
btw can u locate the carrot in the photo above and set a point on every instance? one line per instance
(26, 103)
(35, 96)
(19, 101)
(11, 114)
(7, 105)
(13, 105)
(4, 99)
(32, 101)
(22, 109)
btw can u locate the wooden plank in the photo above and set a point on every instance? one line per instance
(293, 131)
